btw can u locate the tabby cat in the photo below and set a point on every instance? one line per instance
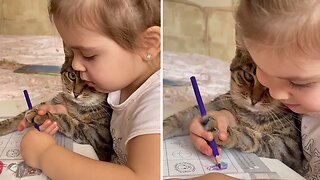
(88, 118)
(264, 125)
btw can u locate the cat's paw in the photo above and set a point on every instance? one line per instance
(209, 123)
(30, 115)
(33, 117)
(40, 119)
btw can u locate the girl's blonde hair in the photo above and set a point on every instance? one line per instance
(287, 25)
(121, 20)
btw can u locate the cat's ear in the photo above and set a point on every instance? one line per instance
(151, 42)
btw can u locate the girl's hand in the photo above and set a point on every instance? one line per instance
(199, 135)
(33, 145)
(48, 126)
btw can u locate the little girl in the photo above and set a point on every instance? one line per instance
(116, 47)
(283, 38)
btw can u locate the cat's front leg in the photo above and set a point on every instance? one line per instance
(211, 124)
(29, 115)
(32, 117)
(221, 123)
(241, 138)
(178, 124)
(244, 139)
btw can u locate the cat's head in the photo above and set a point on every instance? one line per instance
(245, 89)
(74, 88)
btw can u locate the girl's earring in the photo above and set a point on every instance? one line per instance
(149, 56)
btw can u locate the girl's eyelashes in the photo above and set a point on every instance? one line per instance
(299, 86)
(89, 57)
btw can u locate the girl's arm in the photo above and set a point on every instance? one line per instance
(40, 151)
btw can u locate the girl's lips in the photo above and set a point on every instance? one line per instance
(89, 83)
(291, 105)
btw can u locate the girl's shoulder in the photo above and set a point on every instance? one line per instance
(151, 88)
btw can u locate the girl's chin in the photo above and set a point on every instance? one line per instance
(298, 109)
(101, 90)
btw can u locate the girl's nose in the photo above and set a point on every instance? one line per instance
(77, 64)
(277, 87)
(279, 93)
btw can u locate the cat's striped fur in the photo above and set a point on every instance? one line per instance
(264, 125)
(88, 117)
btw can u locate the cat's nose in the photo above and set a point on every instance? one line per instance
(76, 95)
(254, 101)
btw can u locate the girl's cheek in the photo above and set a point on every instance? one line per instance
(262, 77)
(309, 102)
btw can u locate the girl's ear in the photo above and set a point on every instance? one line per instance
(151, 42)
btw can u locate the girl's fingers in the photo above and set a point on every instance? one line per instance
(54, 130)
(50, 128)
(197, 129)
(219, 150)
(22, 125)
(45, 125)
(223, 127)
(43, 109)
(223, 136)
(54, 109)
(201, 145)
(222, 124)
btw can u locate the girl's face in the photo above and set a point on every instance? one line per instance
(294, 80)
(102, 63)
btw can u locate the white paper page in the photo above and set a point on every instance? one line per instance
(182, 160)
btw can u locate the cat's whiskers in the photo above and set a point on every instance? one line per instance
(284, 109)
(287, 120)
(291, 123)
(276, 119)
(104, 108)
(281, 110)
(93, 100)
(104, 111)
(96, 110)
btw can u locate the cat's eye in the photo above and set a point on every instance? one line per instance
(72, 76)
(248, 76)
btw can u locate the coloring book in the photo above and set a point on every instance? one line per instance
(182, 160)
(12, 166)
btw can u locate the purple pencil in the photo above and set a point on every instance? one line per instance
(26, 95)
(203, 112)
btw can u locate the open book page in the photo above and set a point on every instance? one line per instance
(182, 160)
(12, 166)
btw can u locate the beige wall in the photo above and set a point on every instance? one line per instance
(25, 17)
(196, 26)
(200, 26)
